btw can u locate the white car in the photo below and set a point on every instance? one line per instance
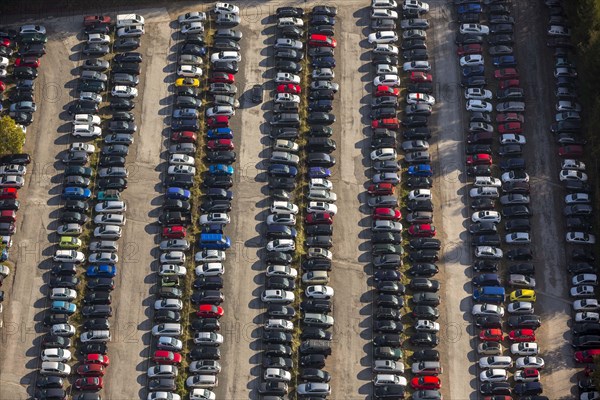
(90, 96)
(181, 170)
(172, 257)
(181, 159)
(55, 368)
(32, 29)
(226, 56)
(415, 98)
(383, 69)
(12, 181)
(66, 330)
(488, 252)
(321, 206)
(192, 27)
(78, 146)
(226, 8)
(478, 94)
(559, 30)
(215, 218)
(566, 105)
(420, 6)
(210, 255)
(572, 175)
(103, 258)
(284, 271)
(521, 280)
(4, 62)
(281, 219)
(123, 91)
(164, 395)
(384, 154)
(284, 207)
(520, 307)
(487, 309)
(573, 164)
(168, 304)
(281, 245)
(583, 291)
(320, 183)
(481, 181)
(69, 256)
(277, 296)
(486, 216)
(587, 316)
(512, 138)
(474, 29)
(585, 279)
(514, 176)
(202, 394)
(290, 21)
(383, 37)
(416, 66)
(162, 371)
(424, 325)
(524, 349)
(285, 145)
(108, 231)
(98, 38)
(323, 73)
(517, 238)
(388, 366)
(286, 77)
(110, 206)
(86, 119)
(277, 375)
(319, 292)
(495, 362)
(580, 238)
(86, 130)
(131, 31)
(172, 270)
(578, 198)
(189, 71)
(64, 294)
(384, 13)
(389, 379)
(529, 362)
(318, 252)
(286, 97)
(13, 169)
(386, 49)
(586, 305)
(169, 329)
(278, 325)
(210, 269)
(419, 194)
(494, 375)
(478, 105)
(57, 355)
(522, 376)
(220, 110)
(194, 16)
(471, 60)
(388, 80)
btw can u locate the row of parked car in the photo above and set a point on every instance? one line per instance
(578, 209)
(101, 256)
(283, 171)
(511, 190)
(387, 230)
(176, 217)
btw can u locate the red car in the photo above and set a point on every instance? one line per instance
(96, 19)
(209, 311)
(316, 40)
(96, 359)
(220, 144)
(289, 88)
(510, 117)
(388, 123)
(184, 137)
(586, 356)
(381, 189)
(418, 76)
(8, 193)
(426, 383)
(387, 213)
(469, 49)
(166, 357)
(522, 335)
(32, 62)
(319, 218)
(508, 83)
(422, 230)
(573, 150)
(506, 73)
(94, 383)
(479, 159)
(530, 373)
(4, 42)
(222, 77)
(2, 86)
(510, 127)
(90, 370)
(491, 335)
(8, 216)
(174, 232)
(383, 90)
(220, 121)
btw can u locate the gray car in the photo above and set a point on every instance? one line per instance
(125, 79)
(119, 138)
(183, 148)
(383, 201)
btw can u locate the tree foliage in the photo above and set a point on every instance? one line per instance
(12, 137)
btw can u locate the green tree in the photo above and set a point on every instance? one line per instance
(12, 137)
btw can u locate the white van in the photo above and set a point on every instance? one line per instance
(129, 20)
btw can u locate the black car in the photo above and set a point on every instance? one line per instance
(316, 305)
(293, 32)
(277, 337)
(495, 388)
(314, 375)
(98, 324)
(390, 287)
(389, 300)
(111, 161)
(517, 225)
(316, 264)
(97, 311)
(288, 66)
(64, 269)
(524, 321)
(121, 104)
(423, 269)
(83, 107)
(420, 87)
(312, 332)
(205, 325)
(425, 243)
(205, 353)
(277, 350)
(101, 284)
(488, 321)
(208, 282)
(512, 164)
(126, 44)
(168, 316)
(390, 392)
(119, 184)
(313, 360)
(63, 282)
(522, 268)
(186, 181)
(49, 382)
(581, 268)
(424, 284)
(482, 228)
(51, 341)
(425, 312)
(98, 297)
(327, 30)
(528, 388)
(53, 319)
(50, 394)
(289, 12)
(426, 298)
(586, 328)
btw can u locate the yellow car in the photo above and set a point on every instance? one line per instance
(523, 295)
(69, 242)
(193, 82)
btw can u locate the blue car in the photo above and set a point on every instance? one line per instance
(282, 170)
(76, 193)
(469, 8)
(63, 307)
(220, 169)
(323, 62)
(213, 228)
(220, 133)
(4, 254)
(102, 271)
(505, 61)
(420, 170)
(319, 172)
(178, 193)
(473, 70)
